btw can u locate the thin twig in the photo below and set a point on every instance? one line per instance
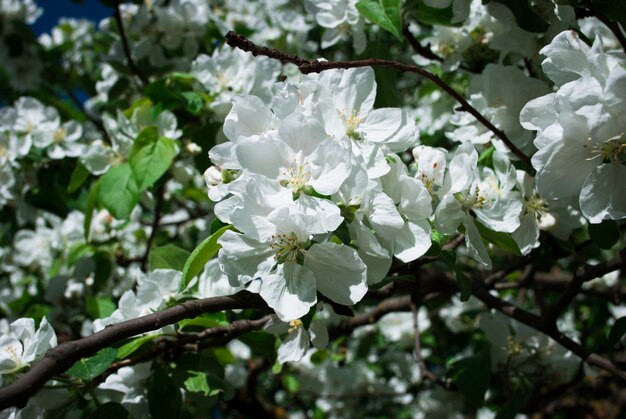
(158, 209)
(583, 274)
(425, 51)
(59, 359)
(129, 58)
(314, 66)
(539, 324)
(426, 373)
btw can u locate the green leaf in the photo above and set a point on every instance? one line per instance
(617, 331)
(486, 157)
(119, 191)
(437, 239)
(433, 16)
(502, 240)
(79, 176)
(605, 234)
(151, 161)
(384, 13)
(165, 400)
(198, 383)
(100, 307)
(290, 382)
(200, 256)
(110, 410)
(525, 16)
(465, 285)
(130, 347)
(147, 136)
(168, 257)
(91, 206)
(193, 102)
(89, 368)
(472, 376)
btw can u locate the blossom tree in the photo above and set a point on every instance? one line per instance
(315, 208)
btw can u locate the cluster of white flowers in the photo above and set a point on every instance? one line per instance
(297, 167)
(580, 128)
(228, 72)
(28, 125)
(20, 61)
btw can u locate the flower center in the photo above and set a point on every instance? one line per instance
(288, 248)
(612, 150)
(352, 122)
(3, 151)
(295, 325)
(296, 175)
(538, 207)
(59, 135)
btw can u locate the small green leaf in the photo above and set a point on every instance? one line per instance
(130, 347)
(100, 307)
(290, 382)
(79, 176)
(465, 285)
(433, 16)
(617, 331)
(472, 376)
(605, 234)
(168, 257)
(151, 161)
(200, 256)
(486, 157)
(384, 13)
(502, 240)
(119, 192)
(437, 239)
(198, 383)
(89, 368)
(165, 400)
(91, 206)
(147, 136)
(193, 102)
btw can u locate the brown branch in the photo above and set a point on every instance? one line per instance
(425, 51)
(583, 274)
(426, 373)
(191, 342)
(158, 209)
(540, 325)
(314, 66)
(129, 58)
(57, 360)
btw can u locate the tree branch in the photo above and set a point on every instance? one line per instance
(158, 209)
(540, 325)
(314, 66)
(583, 274)
(129, 58)
(57, 360)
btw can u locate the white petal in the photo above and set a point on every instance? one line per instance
(412, 241)
(293, 346)
(340, 273)
(290, 291)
